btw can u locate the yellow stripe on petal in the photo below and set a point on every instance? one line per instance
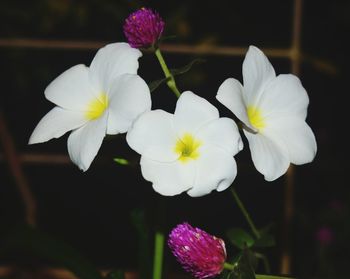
(187, 148)
(255, 117)
(97, 107)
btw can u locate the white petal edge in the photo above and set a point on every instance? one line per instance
(270, 157)
(153, 136)
(129, 97)
(55, 124)
(222, 133)
(192, 112)
(215, 170)
(257, 73)
(230, 94)
(297, 136)
(84, 143)
(168, 179)
(284, 96)
(111, 61)
(71, 89)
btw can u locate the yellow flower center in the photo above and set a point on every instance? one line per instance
(97, 107)
(187, 148)
(255, 117)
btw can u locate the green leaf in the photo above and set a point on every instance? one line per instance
(240, 238)
(186, 68)
(153, 85)
(30, 242)
(121, 161)
(265, 240)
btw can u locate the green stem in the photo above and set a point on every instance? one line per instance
(158, 255)
(171, 81)
(245, 213)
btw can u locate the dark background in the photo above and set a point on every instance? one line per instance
(91, 211)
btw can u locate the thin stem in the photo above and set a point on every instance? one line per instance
(171, 82)
(245, 213)
(158, 255)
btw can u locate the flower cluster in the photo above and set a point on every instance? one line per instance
(191, 150)
(200, 253)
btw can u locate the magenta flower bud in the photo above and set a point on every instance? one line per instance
(143, 28)
(325, 236)
(200, 253)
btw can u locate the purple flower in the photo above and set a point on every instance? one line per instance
(324, 236)
(143, 28)
(200, 253)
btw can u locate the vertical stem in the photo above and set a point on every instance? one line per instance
(245, 213)
(171, 81)
(158, 255)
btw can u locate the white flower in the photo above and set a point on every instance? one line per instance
(191, 150)
(94, 101)
(273, 110)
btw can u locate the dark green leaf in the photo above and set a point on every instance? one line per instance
(119, 274)
(240, 238)
(153, 85)
(33, 243)
(186, 68)
(265, 240)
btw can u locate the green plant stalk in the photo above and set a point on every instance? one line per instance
(245, 213)
(257, 276)
(158, 255)
(171, 82)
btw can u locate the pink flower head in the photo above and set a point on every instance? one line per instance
(143, 28)
(200, 253)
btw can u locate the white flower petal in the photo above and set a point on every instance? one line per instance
(152, 135)
(270, 157)
(222, 133)
(111, 61)
(72, 89)
(56, 123)
(297, 136)
(84, 143)
(284, 96)
(257, 73)
(230, 94)
(216, 170)
(129, 97)
(192, 112)
(168, 179)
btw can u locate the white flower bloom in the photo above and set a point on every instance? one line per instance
(94, 101)
(273, 110)
(191, 150)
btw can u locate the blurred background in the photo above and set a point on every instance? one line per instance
(107, 216)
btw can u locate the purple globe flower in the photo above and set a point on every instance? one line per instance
(143, 28)
(200, 253)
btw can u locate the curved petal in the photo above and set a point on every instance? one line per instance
(111, 61)
(216, 170)
(129, 97)
(168, 179)
(192, 112)
(257, 72)
(222, 133)
(284, 96)
(72, 89)
(152, 135)
(230, 94)
(270, 157)
(56, 123)
(297, 136)
(84, 143)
